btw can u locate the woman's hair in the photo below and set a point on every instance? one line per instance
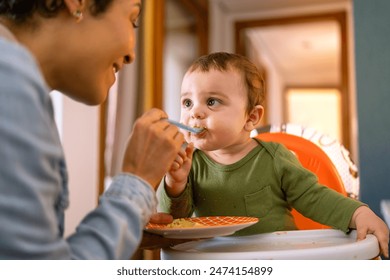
(22, 10)
(223, 61)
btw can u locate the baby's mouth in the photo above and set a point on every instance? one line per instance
(199, 129)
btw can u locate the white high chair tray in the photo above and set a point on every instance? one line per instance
(385, 209)
(282, 245)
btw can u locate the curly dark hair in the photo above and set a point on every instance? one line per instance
(22, 10)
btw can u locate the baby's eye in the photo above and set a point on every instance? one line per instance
(212, 102)
(187, 103)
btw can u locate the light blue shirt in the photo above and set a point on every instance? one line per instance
(34, 180)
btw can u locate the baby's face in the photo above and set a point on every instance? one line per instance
(216, 101)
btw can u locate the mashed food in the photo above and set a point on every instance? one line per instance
(183, 223)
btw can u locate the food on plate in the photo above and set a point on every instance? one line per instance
(183, 223)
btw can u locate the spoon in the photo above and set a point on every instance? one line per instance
(194, 130)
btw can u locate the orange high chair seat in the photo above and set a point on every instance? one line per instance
(314, 159)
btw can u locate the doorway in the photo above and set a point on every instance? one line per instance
(304, 59)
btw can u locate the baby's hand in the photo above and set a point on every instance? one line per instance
(176, 178)
(365, 221)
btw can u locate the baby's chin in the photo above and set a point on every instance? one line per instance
(203, 146)
(196, 143)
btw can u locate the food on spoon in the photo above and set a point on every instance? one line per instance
(183, 223)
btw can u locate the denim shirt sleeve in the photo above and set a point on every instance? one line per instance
(114, 229)
(33, 179)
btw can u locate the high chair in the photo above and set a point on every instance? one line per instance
(314, 159)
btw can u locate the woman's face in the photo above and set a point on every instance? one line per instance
(97, 48)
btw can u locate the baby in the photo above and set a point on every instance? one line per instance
(230, 173)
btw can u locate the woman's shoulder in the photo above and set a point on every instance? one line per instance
(20, 75)
(17, 62)
(13, 53)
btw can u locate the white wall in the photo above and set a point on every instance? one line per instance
(275, 87)
(179, 52)
(78, 126)
(180, 49)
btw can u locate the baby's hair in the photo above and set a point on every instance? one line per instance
(223, 61)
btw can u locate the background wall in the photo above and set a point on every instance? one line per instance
(372, 60)
(78, 126)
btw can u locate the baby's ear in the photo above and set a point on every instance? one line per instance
(254, 118)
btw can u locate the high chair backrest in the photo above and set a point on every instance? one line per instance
(313, 158)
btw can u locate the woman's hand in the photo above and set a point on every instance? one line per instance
(154, 241)
(152, 147)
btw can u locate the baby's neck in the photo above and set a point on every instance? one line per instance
(232, 154)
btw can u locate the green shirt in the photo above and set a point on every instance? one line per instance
(266, 183)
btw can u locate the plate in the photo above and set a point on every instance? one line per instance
(210, 227)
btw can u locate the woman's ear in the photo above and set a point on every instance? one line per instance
(254, 118)
(75, 7)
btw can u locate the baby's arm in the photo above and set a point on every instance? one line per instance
(365, 221)
(176, 178)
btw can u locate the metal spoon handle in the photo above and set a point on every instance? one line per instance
(185, 127)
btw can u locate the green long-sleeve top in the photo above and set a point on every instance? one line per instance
(266, 184)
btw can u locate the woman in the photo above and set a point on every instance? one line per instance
(74, 46)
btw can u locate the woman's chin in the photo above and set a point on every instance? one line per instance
(93, 100)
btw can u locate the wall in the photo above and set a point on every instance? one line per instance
(179, 54)
(78, 127)
(372, 51)
(180, 50)
(274, 86)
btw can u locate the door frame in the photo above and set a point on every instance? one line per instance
(341, 18)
